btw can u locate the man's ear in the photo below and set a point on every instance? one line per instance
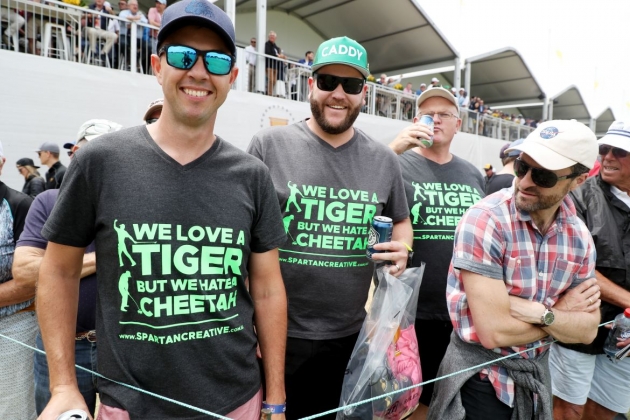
(233, 75)
(579, 181)
(156, 64)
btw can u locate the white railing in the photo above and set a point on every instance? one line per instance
(273, 76)
(60, 30)
(493, 127)
(63, 31)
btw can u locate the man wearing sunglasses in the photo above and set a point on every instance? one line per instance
(331, 180)
(29, 252)
(440, 187)
(174, 314)
(585, 383)
(522, 274)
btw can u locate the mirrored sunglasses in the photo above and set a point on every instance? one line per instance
(617, 152)
(184, 58)
(350, 85)
(542, 177)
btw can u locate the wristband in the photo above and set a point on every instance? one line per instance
(409, 249)
(409, 253)
(275, 408)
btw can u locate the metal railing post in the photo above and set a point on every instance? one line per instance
(133, 51)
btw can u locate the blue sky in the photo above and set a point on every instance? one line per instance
(564, 42)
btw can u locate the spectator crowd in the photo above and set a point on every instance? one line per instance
(222, 282)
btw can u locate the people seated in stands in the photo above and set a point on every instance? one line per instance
(15, 23)
(134, 15)
(435, 82)
(96, 28)
(383, 101)
(155, 19)
(33, 28)
(408, 89)
(422, 88)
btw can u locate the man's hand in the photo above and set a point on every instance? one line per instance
(396, 252)
(583, 298)
(64, 398)
(410, 137)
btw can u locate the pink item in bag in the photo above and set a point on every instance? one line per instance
(404, 361)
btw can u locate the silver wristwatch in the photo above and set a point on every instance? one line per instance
(547, 317)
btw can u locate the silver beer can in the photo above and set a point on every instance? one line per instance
(428, 121)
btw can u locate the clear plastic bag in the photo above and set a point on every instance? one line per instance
(385, 357)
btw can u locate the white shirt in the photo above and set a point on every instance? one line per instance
(114, 26)
(250, 55)
(620, 195)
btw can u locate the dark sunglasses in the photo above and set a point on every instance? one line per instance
(350, 85)
(183, 58)
(151, 120)
(617, 152)
(70, 153)
(542, 177)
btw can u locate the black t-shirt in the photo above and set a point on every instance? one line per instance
(328, 197)
(498, 182)
(438, 196)
(172, 249)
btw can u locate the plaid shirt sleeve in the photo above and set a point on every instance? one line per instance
(479, 245)
(587, 270)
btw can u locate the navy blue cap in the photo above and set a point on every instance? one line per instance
(200, 13)
(514, 153)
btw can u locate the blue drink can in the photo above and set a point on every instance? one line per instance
(73, 415)
(380, 231)
(428, 121)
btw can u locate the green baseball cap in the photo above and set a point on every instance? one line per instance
(342, 50)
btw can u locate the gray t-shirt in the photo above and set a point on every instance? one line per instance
(172, 248)
(438, 196)
(328, 197)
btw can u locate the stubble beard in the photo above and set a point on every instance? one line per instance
(318, 109)
(543, 203)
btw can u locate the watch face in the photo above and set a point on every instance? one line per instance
(548, 318)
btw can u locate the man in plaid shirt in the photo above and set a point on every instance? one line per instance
(522, 274)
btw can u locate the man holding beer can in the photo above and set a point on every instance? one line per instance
(331, 180)
(440, 187)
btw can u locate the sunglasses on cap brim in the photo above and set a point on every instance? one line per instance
(541, 177)
(184, 58)
(328, 83)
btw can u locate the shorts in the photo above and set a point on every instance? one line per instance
(248, 411)
(577, 376)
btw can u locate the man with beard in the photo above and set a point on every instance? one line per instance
(522, 274)
(334, 167)
(585, 384)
